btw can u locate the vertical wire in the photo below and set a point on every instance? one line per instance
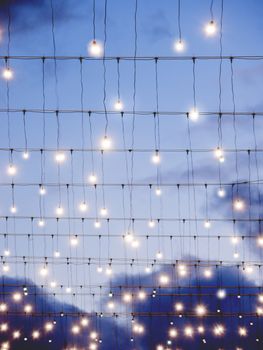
(94, 19)
(105, 69)
(194, 83)
(82, 130)
(24, 128)
(118, 78)
(179, 19)
(211, 10)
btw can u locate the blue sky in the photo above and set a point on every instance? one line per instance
(182, 209)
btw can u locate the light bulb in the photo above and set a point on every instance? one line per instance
(99, 269)
(95, 48)
(201, 329)
(68, 290)
(11, 170)
(43, 271)
(158, 191)
(182, 270)
(7, 252)
(59, 210)
(159, 255)
(151, 223)
(56, 254)
(135, 243)
(221, 192)
(8, 73)
(83, 206)
(84, 322)
(111, 305)
(211, 28)
(260, 241)
(179, 307)
(188, 331)
(221, 293)
(106, 143)
(236, 255)
(141, 295)
(74, 241)
(16, 334)
(13, 209)
(259, 311)
(49, 326)
(103, 212)
(242, 331)
(75, 329)
(156, 158)
(148, 269)
(207, 224)
(53, 284)
(3, 327)
(92, 178)
(42, 190)
(164, 280)
(97, 224)
(6, 268)
(3, 307)
(208, 273)
(128, 237)
(179, 45)
(35, 334)
(41, 223)
(127, 297)
(239, 204)
(93, 335)
(25, 155)
(17, 296)
(118, 105)
(194, 114)
(260, 298)
(60, 157)
(108, 271)
(219, 330)
(28, 308)
(234, 240)
(173, 333)
(200, 310)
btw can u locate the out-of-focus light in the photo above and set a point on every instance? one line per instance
(99, 269)
(242, 331)
(75, 329)
(28, 308)
(156, 157)
(127, 297)
(135, 243)
(7, 252)
(95, 48)
(211, 28)
(97, 224)
(53, 284)
(42, 190)
(200, 310)
(3, 327)
(158, 191)
(201, 329)
(13, 209)
(219, 330)
(141, 295)
(179, 45)
(35, 334)
(188, 331)
(179, 307)
(151, 223)
(11, 170)
(173, 333)
(84, 322)
(56, 254)
(207, 273)
(43, 271)
(8, 73)
(59, 210)
(16, 334)
(25, 155)
(83, 206)
(92, 178)
(60, 157)
(159, 255)
(221, 293)
(194, 114)
(104, 211)
(106, 143)
(234, 240)
(236, 255)
(207, 224)
(260, 241)
(118, 105)
(17, 296)
(49, 326)
(108, 271)
(239, 204)
(221, 192)
(111, 305)
(148, 269)
(41, 223)
(260, 298)
(164, 280)
(3, 307)
(93, 335)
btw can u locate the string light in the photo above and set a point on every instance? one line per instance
(49, 327)
(221, 192)
(3, 307)
(83, 207)
(242, 331)
(221, 293)
(16, 334)
(60, 157)
(93, 179)
(8, 73)
(156, 158)
(194, 114)
(17, 296)
(106, 143)
(11, 170)
(28, 309)
(95, 48)
(239, 204)
(200, 310)
(188, 332)
(35, 334)
(211, 28)
(42, 190)
(59, 210)
(219, 330)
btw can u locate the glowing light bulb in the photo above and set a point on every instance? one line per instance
(260, 298)
(118, 105)
(200, 310)
(156, 158)
(260, 241)
(3, 327)
(159, 255)
(5, 346)
(221, 293)
(179, 45)
(42, 190)
(194, 114)
(242, 331)
(127, 297)
(236, 255)
(148, 269)
(151, 223)
(173, 333)
(35, 334)
(84, 322)
(93, 335)
(99, 269)
(128, 237)
(259, 311)
(219, 330)
(234, 240)
(210, 28)
(207, 224)
(49, 326)
(188, 331)
(164, 279)
(13, 209)
(179, 307)
(138, 328)
(108, 271)
(41, 223)
(74, 241)
(17, 297)
(28, 309)
(7, 252)
(92, 178)
(16, 334)
(111, 305)
(43, 271)
(106, 143)
(182, 270)
(5, 268)
(135, 243)
(103, 212)
(239, 204)
(68, 290)
(56, 254)
(200, 329)
(8, 73)
(158, 191)
(53, 284)
(60, 157)
(3, 307)
(219, 153)
(97, 224)
(141, 295)
(59, 210)
(248, 269)
(221, 192)
(208, 273)
(93, 346)
(75, 329)
(25, 155)
(11, 170)
(83, 206)
(95, 48)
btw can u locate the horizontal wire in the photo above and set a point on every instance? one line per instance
(132, 58)
(127, 112)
